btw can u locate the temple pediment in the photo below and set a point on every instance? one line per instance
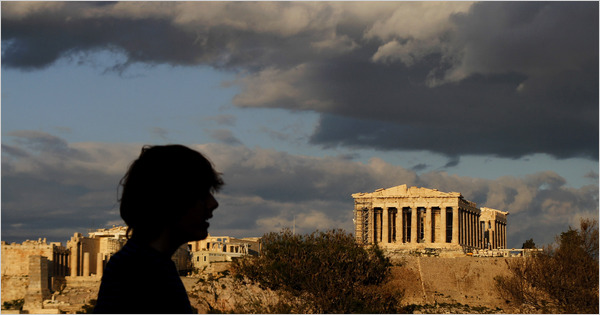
(405, 191)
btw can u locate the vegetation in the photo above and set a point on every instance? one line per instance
(450, 308)
(529, 244)
(88, 308)
(13, 305)
(322, 272)
(562, 279)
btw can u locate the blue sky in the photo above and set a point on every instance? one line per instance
(300, 105)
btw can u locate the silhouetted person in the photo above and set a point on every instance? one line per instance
(166, 201)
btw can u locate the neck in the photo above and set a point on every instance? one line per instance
(165, 243)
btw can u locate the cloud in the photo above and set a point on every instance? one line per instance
(228, 120)
(419, 167)
(224, 136)
(498, 38)
(502, 79)
(592, 175)
(454, 161)
(160, 132)
(48, 194)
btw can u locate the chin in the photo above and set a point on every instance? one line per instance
(202, 235)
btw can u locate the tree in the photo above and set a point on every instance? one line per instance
(563, 278)
(322, 272)
(529, 244)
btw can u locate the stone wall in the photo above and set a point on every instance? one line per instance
(15, 257)
(426, 280)
(465, 280)
(13, 287)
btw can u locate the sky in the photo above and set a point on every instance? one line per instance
(300, 105)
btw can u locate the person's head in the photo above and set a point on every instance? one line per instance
(163, 187)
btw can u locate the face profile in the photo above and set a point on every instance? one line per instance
(162, 186)
(167, 200)
(194, 222)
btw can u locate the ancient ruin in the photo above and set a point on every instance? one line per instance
(90, 254)
(220, 249)
(40, 273)
(402, 218)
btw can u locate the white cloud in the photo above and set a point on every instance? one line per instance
(272, 87)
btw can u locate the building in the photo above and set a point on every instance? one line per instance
(418, 218)
(35, 270)
(32, 265)
(90, 254)
(221, 249)
(15, 257)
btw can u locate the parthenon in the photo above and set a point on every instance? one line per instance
(408, 218)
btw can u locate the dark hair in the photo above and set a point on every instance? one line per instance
(161, 184)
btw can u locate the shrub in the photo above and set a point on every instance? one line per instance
(562, 278)
(529, 244)
(13, 305)
(322, 272)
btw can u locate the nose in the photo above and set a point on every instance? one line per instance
(212, 203)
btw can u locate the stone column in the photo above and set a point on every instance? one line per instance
(471, 230)
(413, 225)
(463, 228)
(427, 225)
(99, 265)
(373, 225)
(483, 238)
(498, 237)
(472, 223)
(495, 234)
(385, 226)
(492, 241)
(499, 233)
(478, 230)
(468, 227)
(481, 229)
(399, 225)
(478, 233)
(454, 225)
(443, 225)
(369, 227)
(459, 226)
(86, 264)
(503, 235)
(74, 262)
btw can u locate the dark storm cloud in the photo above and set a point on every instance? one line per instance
(47, 193)
(493, 78)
